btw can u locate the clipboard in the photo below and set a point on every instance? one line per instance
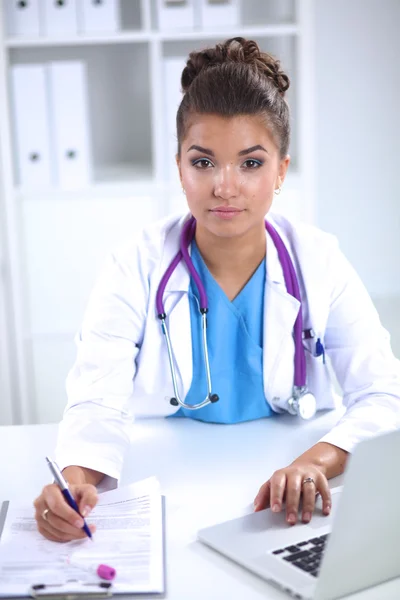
(98, 590)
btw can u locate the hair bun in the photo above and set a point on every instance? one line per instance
(238, 50)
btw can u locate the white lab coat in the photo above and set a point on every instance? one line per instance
(122, 367)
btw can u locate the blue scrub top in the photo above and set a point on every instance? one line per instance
(235, 347)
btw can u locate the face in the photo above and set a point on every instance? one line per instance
(229, 169)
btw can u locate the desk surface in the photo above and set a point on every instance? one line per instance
(209, 473)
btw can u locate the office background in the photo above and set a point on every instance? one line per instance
(55, 232)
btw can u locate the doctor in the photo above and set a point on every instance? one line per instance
(278, 299)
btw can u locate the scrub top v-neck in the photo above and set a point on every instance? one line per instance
(235, 347)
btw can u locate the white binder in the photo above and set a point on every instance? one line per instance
(30, 115)
(175, 14)
(173, 67)
(99, 16)
(69, 123)
(135, 513)
(219, 13)
(59, 17)
(22, 18)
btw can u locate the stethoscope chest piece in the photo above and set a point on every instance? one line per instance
(303, 403)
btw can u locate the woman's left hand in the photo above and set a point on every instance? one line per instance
(289, 485)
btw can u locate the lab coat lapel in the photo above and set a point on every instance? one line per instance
(280, 312)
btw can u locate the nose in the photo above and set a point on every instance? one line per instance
(226, 182)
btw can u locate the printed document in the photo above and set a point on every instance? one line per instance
(129, 537)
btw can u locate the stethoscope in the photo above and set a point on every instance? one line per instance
(302, 402)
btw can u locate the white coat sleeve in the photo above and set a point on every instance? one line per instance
(361, 355)
(96, 427)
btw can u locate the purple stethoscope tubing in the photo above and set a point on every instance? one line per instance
(186, 236)
(292, 287)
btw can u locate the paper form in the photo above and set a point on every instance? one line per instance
(129, 538)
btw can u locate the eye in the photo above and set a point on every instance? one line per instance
(252, 163)
(202, 163)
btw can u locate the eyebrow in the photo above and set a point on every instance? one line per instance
(201, 149)
(252, 149)
(241, 153)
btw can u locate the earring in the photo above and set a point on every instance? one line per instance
(183, 190)
(278, 190)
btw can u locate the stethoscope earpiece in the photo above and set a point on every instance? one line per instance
(211, 398)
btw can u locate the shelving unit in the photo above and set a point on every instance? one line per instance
(131, 37)
(50, 265)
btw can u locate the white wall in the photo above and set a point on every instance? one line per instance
(358, 132)
(6, 416)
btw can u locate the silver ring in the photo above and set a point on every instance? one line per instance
(308, 480)
(44, 513)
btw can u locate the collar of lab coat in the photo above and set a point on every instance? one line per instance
(180, 278)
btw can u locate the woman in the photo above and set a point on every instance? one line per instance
(233, 137)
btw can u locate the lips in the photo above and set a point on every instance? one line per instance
(226, 209)
(226, 213)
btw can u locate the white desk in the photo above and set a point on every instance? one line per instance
(209, 473)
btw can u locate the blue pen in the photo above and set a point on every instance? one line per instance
(63, 485)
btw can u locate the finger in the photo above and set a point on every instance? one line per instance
(87, 499)
(57, 504)
(38, 502)
(262, 499)
(61, 526)
(40, 506)
(326, 496)
(309, 489)
(293, 493)
(48, 535)
(50, 532)
(278, 485)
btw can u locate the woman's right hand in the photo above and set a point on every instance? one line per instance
(56, 520)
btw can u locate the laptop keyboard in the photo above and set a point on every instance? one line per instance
(305, 555)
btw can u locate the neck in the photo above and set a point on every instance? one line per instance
(239, 255)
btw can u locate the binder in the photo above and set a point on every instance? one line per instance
(30, 116)
(69, 119)
(100, 16)
(59, 17)
(173, 67)
(219, 13)
(175, 14)
(22, 18)
(83, 591)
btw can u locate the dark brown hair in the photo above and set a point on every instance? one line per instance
(235, 78)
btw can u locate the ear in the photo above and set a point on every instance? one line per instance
(283, 167)
(178, 162)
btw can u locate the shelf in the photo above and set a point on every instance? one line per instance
(246, 32)
(117, 181)
(148, 36)
(109, 38)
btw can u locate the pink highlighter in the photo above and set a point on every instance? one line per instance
(103, 571)
(106, 572)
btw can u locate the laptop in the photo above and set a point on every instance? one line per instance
(355, 547)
